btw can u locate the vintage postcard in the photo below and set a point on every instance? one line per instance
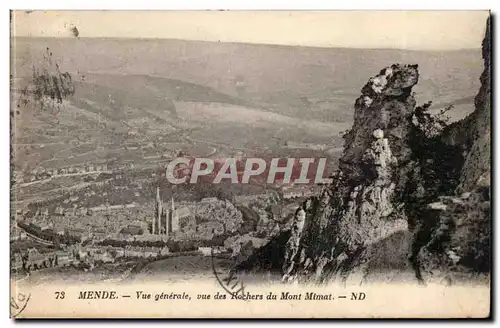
(250, 164)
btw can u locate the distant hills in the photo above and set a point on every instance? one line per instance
(306, 82)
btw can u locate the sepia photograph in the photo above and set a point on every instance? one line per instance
(235, 164)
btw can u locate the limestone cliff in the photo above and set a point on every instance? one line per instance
(457, 246)
(477, 163)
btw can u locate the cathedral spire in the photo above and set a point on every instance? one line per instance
(156, 224)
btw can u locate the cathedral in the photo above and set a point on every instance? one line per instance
(165, 220)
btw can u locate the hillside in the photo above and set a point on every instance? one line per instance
(141, 101)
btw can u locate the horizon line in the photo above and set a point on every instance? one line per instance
(240, 42)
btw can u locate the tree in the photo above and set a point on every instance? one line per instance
(48, 86)
(431, 125)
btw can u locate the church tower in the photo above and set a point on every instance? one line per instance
(156, 224)
(174, 218)
(167, 220)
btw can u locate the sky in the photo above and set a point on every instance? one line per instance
(419, 30)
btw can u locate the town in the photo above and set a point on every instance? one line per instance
(58, 234)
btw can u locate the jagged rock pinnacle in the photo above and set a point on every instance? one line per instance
(361, 208)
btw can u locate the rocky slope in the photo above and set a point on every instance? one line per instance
(410, 198)
(458, 245)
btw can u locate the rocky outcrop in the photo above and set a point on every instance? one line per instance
(458, 247)
(410, 197)
(332, 232)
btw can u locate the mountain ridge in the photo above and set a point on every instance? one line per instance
(242, 43)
